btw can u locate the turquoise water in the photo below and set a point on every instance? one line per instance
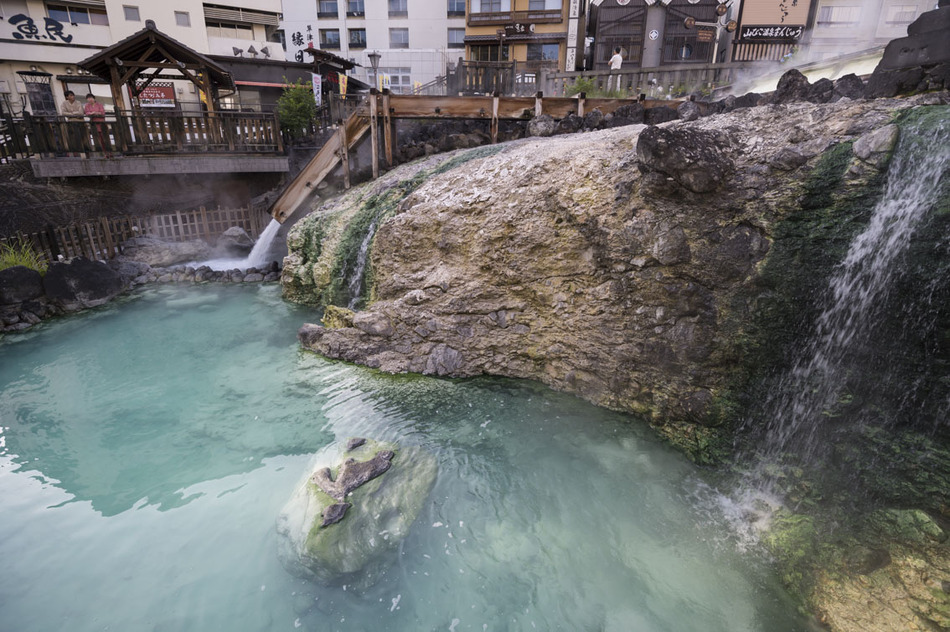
(147, 448)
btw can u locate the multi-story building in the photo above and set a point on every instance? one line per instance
(415, 39)
(838, 26)
(41, 43)
(654, 33)
(544, 33)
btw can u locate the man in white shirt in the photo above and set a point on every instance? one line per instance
(613, 81)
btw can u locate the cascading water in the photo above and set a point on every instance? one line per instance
(257, 256)
(848, 340)
(354, 281)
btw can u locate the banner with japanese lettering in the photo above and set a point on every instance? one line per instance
(317, 89)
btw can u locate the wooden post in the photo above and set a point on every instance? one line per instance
(494, 118)
(374, 130)
(538, 103)
(580, 104)
(107, 236)
(388, 125)
(344, 155)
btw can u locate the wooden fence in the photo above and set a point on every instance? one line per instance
(102, 238)
(680, 79)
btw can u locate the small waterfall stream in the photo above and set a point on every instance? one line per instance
(354, 281)
(848, 329)
(256, 258)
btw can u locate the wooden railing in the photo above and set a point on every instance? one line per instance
(131, 133)
(102, 238)
(513, 78)
(681, 79)
(538, 16)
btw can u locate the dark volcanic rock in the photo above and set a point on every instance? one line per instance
(18, 284)
(569, 124)
(850, 86)
(688, 111)
(890, 83)
(81, 283)
(793, 86)
(655, 116)
(821, 91)
(334, 513)
(694, 158)
(543, 125)
(352, 474)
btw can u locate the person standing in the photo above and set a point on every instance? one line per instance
(97, 116)
(613, 81)
(73, 112)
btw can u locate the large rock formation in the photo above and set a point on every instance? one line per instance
(342, 526)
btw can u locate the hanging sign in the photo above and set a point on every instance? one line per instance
(343, 79)
(157, 96)
(705, 35)
(318, 89)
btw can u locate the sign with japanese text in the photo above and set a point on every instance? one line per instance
(317, 89)
(518, 29)
(774, 32)
(26, 29)
(705, 35)
(779, 12)
(153, 96)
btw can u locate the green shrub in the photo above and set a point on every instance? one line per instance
(21, 254)
(297, 109)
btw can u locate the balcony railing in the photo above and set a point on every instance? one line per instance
(539, 16)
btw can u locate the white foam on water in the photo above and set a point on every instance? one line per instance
(257, 256)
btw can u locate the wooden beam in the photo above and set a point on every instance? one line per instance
(388, 125)
(494, 118)
(374, 130)
(344, 155)
(581, 98)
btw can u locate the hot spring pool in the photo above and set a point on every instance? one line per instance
(147, 448)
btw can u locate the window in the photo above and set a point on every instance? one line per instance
(232, 31)
(357, 38)
(544, 5)
(487, 52)
(456, 7)
(12, 7)
(398, 9)
(398, 80)
(399, 38)
(68, 14)
(330, 38)
(491, 6)
(131, 13)
(900, 14)
(355, 9)
(838, 17)
(456, 38)
(182, 18)
(327, 9)
(543, 52)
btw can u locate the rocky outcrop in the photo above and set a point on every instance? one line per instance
(234, 242)
(81, 284)
(159, 253)
(343, 525)
(618, 266)
(19, 284)
(918, 62)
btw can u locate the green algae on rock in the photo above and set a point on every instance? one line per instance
(322, 539)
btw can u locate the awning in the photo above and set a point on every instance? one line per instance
(261, 84)
(525, 37)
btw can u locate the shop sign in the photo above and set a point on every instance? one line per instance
(153, 96)
(775, 32)
(26, 29)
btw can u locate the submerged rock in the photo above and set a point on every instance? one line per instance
(342, 525)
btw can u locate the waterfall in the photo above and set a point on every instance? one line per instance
(257, 256)
(354, 282)
(803, 401)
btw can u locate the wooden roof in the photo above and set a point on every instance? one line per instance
(150, 49)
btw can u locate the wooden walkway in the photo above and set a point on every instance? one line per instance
(380, 111)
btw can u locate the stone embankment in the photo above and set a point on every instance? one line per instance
(28, 298)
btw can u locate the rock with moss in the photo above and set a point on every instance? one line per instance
(343, 524)
(337, 317)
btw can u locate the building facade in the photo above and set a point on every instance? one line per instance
(415, 39)
(541, 33)
(653, 33)
(41, 43)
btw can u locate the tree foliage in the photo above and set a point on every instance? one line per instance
(297, 109)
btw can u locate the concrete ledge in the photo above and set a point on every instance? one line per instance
(145, 165)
